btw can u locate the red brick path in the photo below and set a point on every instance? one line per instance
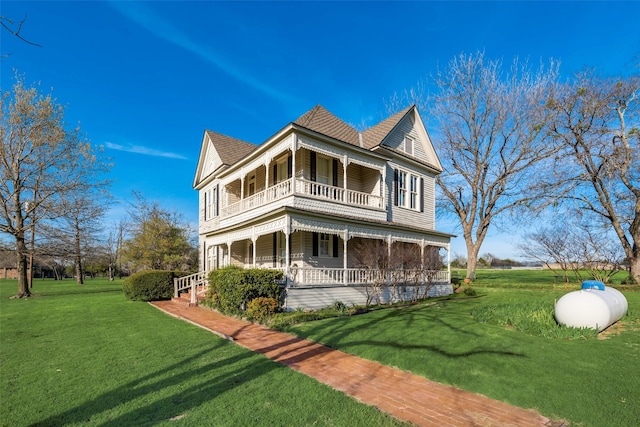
(403, 395)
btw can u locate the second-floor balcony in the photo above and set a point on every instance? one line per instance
(303, 187)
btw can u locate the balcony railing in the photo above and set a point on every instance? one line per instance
(304, 187)
(338, 194)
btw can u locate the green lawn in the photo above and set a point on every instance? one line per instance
(591, 382)
(84, 355)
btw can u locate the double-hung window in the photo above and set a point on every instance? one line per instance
(409, 189)
(402, 188)
(324, 244)
(413, 192)
(323, 170)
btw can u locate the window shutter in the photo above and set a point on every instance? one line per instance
(206, 217)
(315, 243)
(217, 200)
(313, 166)
(395, 187)
(275, 250)
(335, 172)
(289, 166)
(275, 174)
(421, 195)
(335, 246)
(204, 257)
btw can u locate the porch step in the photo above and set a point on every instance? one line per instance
(185, 298)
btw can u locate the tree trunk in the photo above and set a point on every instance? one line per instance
(472, 259)
(79, 272)
(21, 254)
(78, 258)
(634, 268)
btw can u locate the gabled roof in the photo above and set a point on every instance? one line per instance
(318, 119)
(374, 136)
(230, 149)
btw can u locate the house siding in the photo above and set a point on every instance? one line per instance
(358, 212)
(402, 215)
(323, 296)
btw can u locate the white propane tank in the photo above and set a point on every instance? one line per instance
(595, 306)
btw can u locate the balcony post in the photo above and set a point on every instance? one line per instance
(345, 162)
(293, 166)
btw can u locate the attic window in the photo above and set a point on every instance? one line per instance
(408, 145)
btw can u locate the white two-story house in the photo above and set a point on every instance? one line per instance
(308, 199)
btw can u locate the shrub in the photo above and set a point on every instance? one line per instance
(150, 285)
(231, 288)
(262, 308)
(339, 306)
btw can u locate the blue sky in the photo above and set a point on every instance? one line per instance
(145, 79)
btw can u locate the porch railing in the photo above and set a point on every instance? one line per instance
(359, 276)
(305, 187)
(196, 283)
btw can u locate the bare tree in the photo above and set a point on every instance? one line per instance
(14, 28)
(575, 247)
(79, 227)
(432, 265)
(41, 162)
(598, 121)
(114, 248)
(552, 246)
(372, 255)
(491, 133)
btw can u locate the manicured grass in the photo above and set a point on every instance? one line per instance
(591, 382)
(84, 355)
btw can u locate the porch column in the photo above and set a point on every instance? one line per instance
(449, 261)
(287, 251)
(242, 187)
(422, 255)
(253, 242)
(344, 257)
(266, 174)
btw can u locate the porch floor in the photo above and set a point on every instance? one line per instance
(401, 394)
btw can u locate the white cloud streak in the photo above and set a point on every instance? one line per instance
(146, 151)
(145, 17)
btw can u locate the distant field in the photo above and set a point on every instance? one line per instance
(528, 278)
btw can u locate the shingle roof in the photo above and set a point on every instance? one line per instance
(373, 136)
(318, 119)
(230, 149)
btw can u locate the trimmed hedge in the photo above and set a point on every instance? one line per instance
(150, 285)
(231, 288)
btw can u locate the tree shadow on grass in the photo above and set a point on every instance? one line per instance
(341, 333)
(227, 374)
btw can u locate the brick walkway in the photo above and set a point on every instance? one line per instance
(403, 395)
